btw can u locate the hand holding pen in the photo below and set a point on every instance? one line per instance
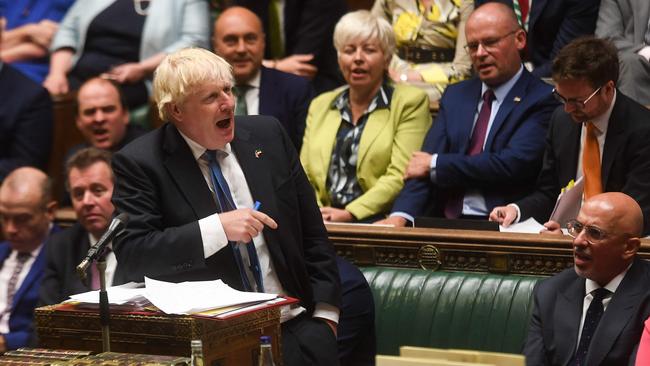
(243, 224)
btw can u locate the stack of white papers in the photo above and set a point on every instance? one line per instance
(176, 298)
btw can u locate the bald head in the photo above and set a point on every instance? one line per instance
(621, 211)
(494, 42)
(26, 208)
(239, 39)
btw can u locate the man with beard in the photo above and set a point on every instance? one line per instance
(600, 134)
(201, 189)
(593, 314)
(90, 183)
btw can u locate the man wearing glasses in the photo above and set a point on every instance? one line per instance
(600, 135)
(593, 314)
(486, 146)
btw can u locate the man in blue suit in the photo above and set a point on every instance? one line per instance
(487, 142)
(26, 214)
(239, 39)
(552, 24)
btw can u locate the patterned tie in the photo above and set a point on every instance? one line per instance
(226, 203)
(13, 280)
(241, 109)
(591, 163)
(594, 313)
(454, 205)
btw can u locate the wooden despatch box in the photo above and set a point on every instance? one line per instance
(230, 342)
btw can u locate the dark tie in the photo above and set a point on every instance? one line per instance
(454, 205)
(226, 203)
(241, 109)
(594, 313)
(13, 280)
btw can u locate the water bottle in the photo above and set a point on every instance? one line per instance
(266, 352)
(197, 353)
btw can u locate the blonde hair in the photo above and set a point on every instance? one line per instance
(180, 72)
(362, 24)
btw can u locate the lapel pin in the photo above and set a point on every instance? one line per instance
(258, 153)
(517, 99)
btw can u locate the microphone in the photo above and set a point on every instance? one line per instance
(115, 228)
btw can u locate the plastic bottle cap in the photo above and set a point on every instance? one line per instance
(265, 339)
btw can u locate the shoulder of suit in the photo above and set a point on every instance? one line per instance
(558, 281)
(285, 77)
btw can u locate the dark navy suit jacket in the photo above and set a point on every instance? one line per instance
(552, 24)
(509, 164)
(286, 97)
(21, 329)
(25, 122)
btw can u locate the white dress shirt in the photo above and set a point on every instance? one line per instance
(214, 237)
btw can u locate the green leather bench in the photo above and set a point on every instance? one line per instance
(464, 310)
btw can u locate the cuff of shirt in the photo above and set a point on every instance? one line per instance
(408, 217)
(326, 311)
(516, 220)
(434, 163)
(645, 52)
(212, 234)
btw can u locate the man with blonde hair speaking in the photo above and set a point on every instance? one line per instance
(201, 189)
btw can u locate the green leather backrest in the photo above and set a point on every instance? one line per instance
(488, 312)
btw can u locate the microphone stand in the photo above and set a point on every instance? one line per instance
(104, 310)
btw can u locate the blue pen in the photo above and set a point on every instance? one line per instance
(256, 205)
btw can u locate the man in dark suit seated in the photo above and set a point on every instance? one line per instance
(600, 135)
(89, 180)
(593, 314)
(190, 189)
(485, 147)
(26, 214)
(26, 121)
(239, 39)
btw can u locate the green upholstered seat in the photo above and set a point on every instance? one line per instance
(488, 312)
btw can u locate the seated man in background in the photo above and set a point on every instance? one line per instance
(486, 145)
(26, 214)
(550, 25)
(27, 30)
(239, 39)
(25, 122)
(600, 135)
(626, 23)
(90, 182)
(593, 314)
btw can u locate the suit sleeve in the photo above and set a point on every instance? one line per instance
(32, 134)
(579, 20)
(510, 165)
(534, 349)
(414, 120)
(610, 26)
(51, 286)
(148, 246)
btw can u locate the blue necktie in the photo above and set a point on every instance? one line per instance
(226, 203)
(592, 318)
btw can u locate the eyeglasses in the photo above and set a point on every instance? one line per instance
(577, 104)
(593, 234)
(489, 44)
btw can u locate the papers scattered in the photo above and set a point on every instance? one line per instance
(130, 293)
(530, 226)
(195, 297)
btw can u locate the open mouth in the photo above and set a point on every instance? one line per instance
(224, 123)
(580, 257)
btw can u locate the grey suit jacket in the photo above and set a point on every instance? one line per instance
(553, 332)
(624, 22)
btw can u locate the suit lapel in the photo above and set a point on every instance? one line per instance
(186, 173)
(535, 13)
(377, 121)
(566, 319)
(517, 92)
(615, 138)
(266, 100)
(616, 316)
(568, 149)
